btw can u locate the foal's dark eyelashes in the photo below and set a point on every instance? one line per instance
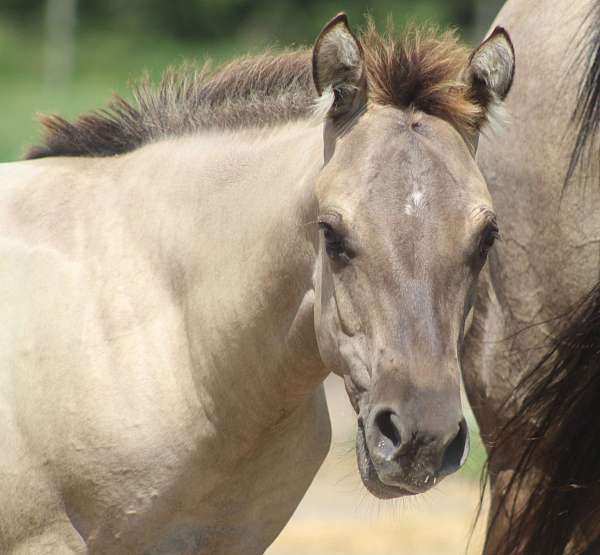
(490, 235)
(328, 232)
(334, 242)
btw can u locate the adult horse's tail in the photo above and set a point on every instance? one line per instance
(551, 503)
(554, 493)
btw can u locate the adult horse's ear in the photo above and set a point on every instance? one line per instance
(338, 65)
(491, 68)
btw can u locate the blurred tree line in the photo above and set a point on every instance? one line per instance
(284, 21)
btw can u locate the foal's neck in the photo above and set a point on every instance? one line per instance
(239, 232)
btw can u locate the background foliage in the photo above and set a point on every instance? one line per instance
(285, 20)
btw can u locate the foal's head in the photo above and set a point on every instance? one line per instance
(407, 223)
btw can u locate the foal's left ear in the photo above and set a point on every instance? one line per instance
(338, 65)
(491, 68)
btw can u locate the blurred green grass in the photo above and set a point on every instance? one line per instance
(105, 63)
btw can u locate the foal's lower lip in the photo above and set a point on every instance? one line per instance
(405, 488)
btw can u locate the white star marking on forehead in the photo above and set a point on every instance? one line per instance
(415, 201)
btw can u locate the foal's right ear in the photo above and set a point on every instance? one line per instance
(338, 65)
(491, 69)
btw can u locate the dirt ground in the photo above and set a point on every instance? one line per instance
(338, 516)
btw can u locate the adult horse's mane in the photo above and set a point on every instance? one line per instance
(420, 68)
(586, 115)
(556, 480)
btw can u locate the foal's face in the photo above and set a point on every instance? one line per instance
(406, 223)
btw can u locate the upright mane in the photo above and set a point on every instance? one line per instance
(420, 68)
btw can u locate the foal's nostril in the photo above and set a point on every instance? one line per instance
(457, 450)
(388, 425)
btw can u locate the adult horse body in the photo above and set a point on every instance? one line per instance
(172, 307)
(543, 465)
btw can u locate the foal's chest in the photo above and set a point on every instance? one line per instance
(204, 505)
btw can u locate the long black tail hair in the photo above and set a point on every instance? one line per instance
(557, 474)
(553, 496)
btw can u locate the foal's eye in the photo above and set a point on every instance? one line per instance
(490, 235)
(334, 244)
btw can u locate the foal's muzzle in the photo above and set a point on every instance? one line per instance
(409, 452)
